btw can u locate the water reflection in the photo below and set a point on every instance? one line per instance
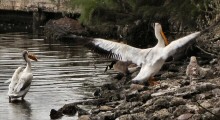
(20, 109)
(65, 73)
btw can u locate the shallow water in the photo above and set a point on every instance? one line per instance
(65, 73)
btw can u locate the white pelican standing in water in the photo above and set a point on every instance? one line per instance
(150, 60)
(21, 79)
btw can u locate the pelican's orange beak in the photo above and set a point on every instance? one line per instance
(164, 38)
(33, 57)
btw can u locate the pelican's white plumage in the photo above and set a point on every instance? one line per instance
(21, 79)
(150, 60)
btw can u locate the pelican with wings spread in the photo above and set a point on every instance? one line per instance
(150, 60)
(21, 79)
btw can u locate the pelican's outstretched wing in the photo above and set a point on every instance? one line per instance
(23, 82)
(117, 51)
(173, 46)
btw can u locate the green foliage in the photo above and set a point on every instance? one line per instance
(88, 7)
(99, 11)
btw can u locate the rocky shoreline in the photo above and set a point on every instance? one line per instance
(176, 97)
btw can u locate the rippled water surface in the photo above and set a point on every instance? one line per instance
(65, 73)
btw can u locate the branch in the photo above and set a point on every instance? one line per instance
(205, 51)
(215, 39)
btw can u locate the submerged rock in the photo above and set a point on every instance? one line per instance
(69, 109)
(55, 114)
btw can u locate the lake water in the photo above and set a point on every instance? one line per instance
(65, 73)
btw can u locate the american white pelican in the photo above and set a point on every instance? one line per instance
(150, 60)
(21, 79)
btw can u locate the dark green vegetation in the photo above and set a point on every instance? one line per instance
(123, 11)
(130, 19)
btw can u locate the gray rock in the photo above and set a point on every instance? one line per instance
(216, 111)
(168, 75)
(145, 97)
(171, 109)
(132, 96)
(160, 93)
(208, 116)
(197, 117)
(82, 112)
(202, 87)
(95, 111)
(184, 83)
(185, 116)
(177, 101)
(162, 86)
(84, 117)
(217, 104)
(128, 105)
(150, 109)
(104, 116)
(186, 92)
(136, 116)
(137, 109)
(121, 112)
(182, 109)
(204, 96)
(149, 103)
(136, 87)
(216, 92)
(162, 114)
(105, 108)
(192, 108)
(162, 103)
(206, 104)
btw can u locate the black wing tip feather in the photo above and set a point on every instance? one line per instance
(104, 53)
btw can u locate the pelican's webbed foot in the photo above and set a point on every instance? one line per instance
(152, 81)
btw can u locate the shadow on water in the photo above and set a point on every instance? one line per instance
(20, 107)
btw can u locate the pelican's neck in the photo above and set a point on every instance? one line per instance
(28, 66)
(160, 39)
